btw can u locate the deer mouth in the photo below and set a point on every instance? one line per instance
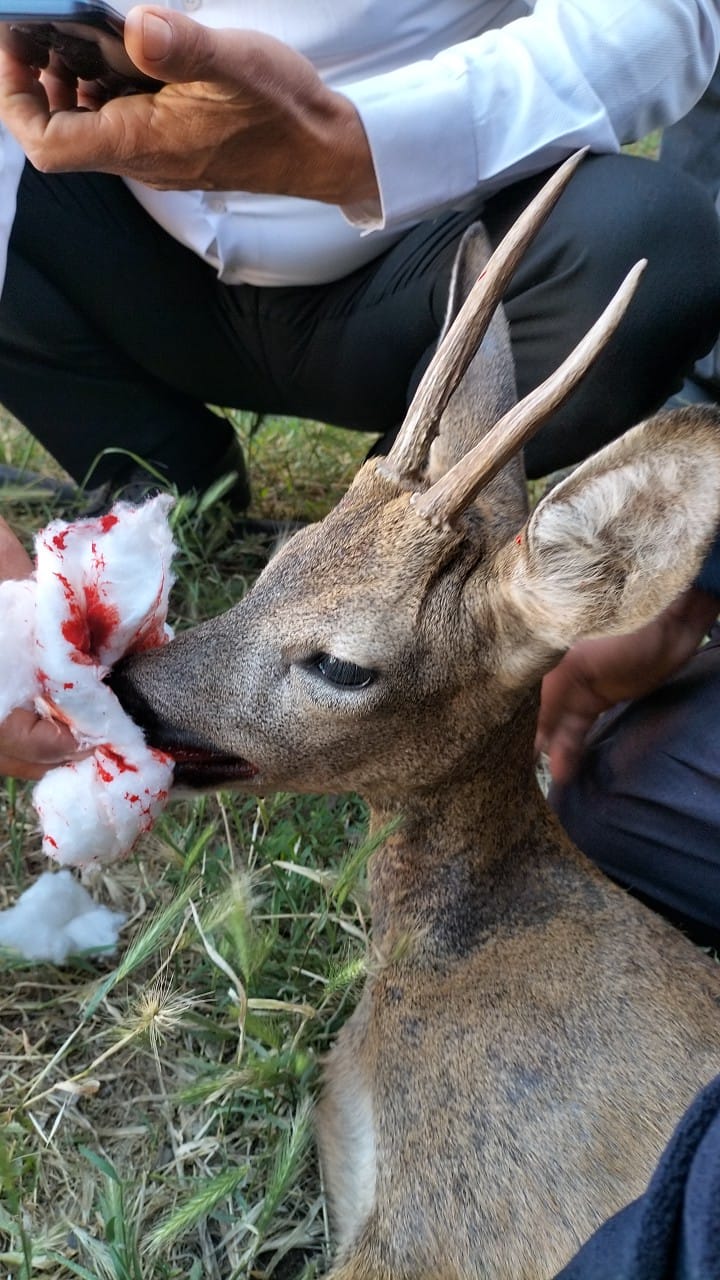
(197, 765)
(202, 770)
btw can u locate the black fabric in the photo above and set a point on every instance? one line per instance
(112, 335)
(693, 146)
(645, 802)
(693, 143)
(672, 1232)
(709, 577)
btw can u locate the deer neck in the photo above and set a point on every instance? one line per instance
(465, 851)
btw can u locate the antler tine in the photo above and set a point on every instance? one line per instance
(449, 496)
(409, 451)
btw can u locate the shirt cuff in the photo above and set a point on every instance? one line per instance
(443, 151)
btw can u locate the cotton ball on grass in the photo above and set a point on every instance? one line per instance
(55, 918)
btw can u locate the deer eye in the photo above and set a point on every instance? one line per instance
(346, 674)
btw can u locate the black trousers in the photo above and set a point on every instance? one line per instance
(114, 335)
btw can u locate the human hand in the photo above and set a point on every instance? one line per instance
(596, 674)
(239, 111)
(29, 744)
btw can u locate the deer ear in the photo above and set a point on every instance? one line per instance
(612, 545)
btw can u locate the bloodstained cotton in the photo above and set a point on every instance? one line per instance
(100, 591)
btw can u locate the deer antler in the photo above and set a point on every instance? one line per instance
(449, 496)
(410, 449)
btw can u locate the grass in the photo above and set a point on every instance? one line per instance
(155, 1104)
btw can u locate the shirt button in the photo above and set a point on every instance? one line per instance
(216, 204)
(191, 4)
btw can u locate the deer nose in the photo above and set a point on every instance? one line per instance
(125, 687)
(198, 764)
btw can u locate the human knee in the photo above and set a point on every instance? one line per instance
(622, 208)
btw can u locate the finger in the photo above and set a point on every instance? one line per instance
(12, 768)
(24, 104)
(22, 95)
(65, 140)
(91, 95)
(552, 702)
(14, 560)
(29, 738)
(60, 87)
(17, 76)
(565, 747)
(171, 47)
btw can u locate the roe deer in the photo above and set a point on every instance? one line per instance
(530, 1033)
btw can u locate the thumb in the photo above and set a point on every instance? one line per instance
(169, 46)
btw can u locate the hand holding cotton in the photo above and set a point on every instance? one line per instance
(99, 591)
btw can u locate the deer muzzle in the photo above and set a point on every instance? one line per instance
(198, 765)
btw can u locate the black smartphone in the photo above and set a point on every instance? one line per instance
(84, 36)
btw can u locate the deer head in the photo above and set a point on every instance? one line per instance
(390, 648)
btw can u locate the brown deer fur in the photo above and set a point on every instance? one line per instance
(529, 1034)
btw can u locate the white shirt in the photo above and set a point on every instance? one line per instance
(457, 97)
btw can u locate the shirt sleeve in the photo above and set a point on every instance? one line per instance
(11, 167)
(517, 100)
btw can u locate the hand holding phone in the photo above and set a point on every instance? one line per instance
(79, 39)
(239, 110)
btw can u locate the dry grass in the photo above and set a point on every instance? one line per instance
(166, 1094)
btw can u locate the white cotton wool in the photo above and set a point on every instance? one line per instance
(104, 583)
(99, 591)
(55, 918)
(95, 809)
(17, 646)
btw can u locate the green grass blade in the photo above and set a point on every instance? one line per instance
(200, 1205)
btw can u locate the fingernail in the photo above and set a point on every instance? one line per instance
(157, 37)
